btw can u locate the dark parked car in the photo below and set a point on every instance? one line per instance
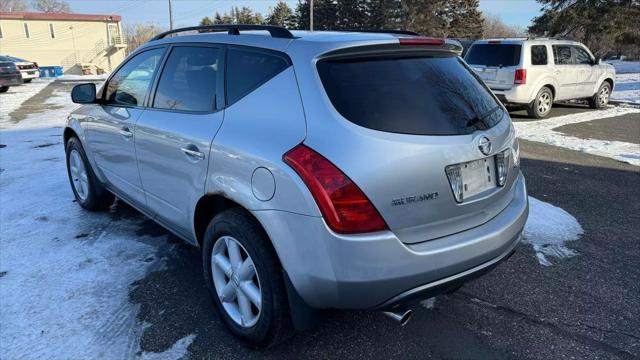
(9, 74)
(28, 69)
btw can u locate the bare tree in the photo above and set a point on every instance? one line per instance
(139, 34)
(51, 6)
(14, 5)
(494, 27)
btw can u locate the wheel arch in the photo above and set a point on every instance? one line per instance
(68, 134)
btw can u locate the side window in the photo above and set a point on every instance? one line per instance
(188, 81)
(562, 54)
(582, 57)
(130, 84)
(538, 55)
(248, 69)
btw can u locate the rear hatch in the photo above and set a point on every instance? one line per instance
(403, 119)
(495, 62)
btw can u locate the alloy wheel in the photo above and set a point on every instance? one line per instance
(79, 177)
(236, 281)
(544, 103)
(604, 95)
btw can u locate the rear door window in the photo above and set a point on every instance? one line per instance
(188, 81)
(414, 95)
(538, 55)
(498, 55)
(247, 69)
(562, 55)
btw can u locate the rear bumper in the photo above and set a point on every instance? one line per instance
(10, 79)
(376, 271)
(30, 74)
(518, 94)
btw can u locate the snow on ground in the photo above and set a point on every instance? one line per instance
(542, 131)
(12, 99)
(627, 87)
(625, 67)
(65, 273)
(548, 229)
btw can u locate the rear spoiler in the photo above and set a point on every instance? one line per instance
(410, 45)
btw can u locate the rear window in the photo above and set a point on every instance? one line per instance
(539, 55)
(248, 69)
(417, 95)
(494, 55)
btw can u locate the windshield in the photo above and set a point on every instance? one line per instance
(416, 95)
(498, 55)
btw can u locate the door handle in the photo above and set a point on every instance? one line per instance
(192, 152)
(124, 131)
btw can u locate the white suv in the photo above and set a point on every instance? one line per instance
(534, 73)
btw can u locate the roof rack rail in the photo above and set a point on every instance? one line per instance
(384, 31)
(232, 29)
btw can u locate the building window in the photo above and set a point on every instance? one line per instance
(26, 31)
(51, 31)
(1, 36)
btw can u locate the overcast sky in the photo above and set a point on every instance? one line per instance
(189, 12)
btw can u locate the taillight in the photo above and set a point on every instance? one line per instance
(520, 77)
(502, 166)
(421, 41)
(343, 205)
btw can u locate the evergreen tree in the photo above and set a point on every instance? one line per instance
(605, 26)
(464, 20)
(280, 15)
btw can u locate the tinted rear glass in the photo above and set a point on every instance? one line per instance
(248, 69)
(418, 95)
(188, 81)
(494, 55)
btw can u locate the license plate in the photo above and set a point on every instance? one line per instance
(31, 72)
(478, 176)
(486, 74)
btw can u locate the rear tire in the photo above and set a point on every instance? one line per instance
(26, 81)
(601, 98)
(541, 106)
(87, 189)
(4, 89)
(273, 322)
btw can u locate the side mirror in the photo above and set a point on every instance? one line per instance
(84, 94)
(597, 61)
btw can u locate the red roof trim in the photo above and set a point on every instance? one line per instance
(58, 16)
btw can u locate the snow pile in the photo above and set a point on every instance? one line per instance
(64, 273)
(548, 229)
(542, 131)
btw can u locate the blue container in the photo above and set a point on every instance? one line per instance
(50, 71)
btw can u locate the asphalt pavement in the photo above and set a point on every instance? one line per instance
(584, 307)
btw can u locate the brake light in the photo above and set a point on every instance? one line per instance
(495, 42)
(345, 208)
(520, 77)
(421, 41)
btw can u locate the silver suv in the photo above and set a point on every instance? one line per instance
(535, 73)
(315, 170)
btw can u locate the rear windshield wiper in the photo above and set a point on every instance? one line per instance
(476, 119)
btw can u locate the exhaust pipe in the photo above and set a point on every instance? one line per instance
(402, 316)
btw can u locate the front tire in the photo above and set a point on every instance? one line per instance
(4, 89)
(246, 279)
(601, 98)
(26, 81)
(541, 106)
(86, 187)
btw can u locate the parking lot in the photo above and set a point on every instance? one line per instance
(75, 284)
